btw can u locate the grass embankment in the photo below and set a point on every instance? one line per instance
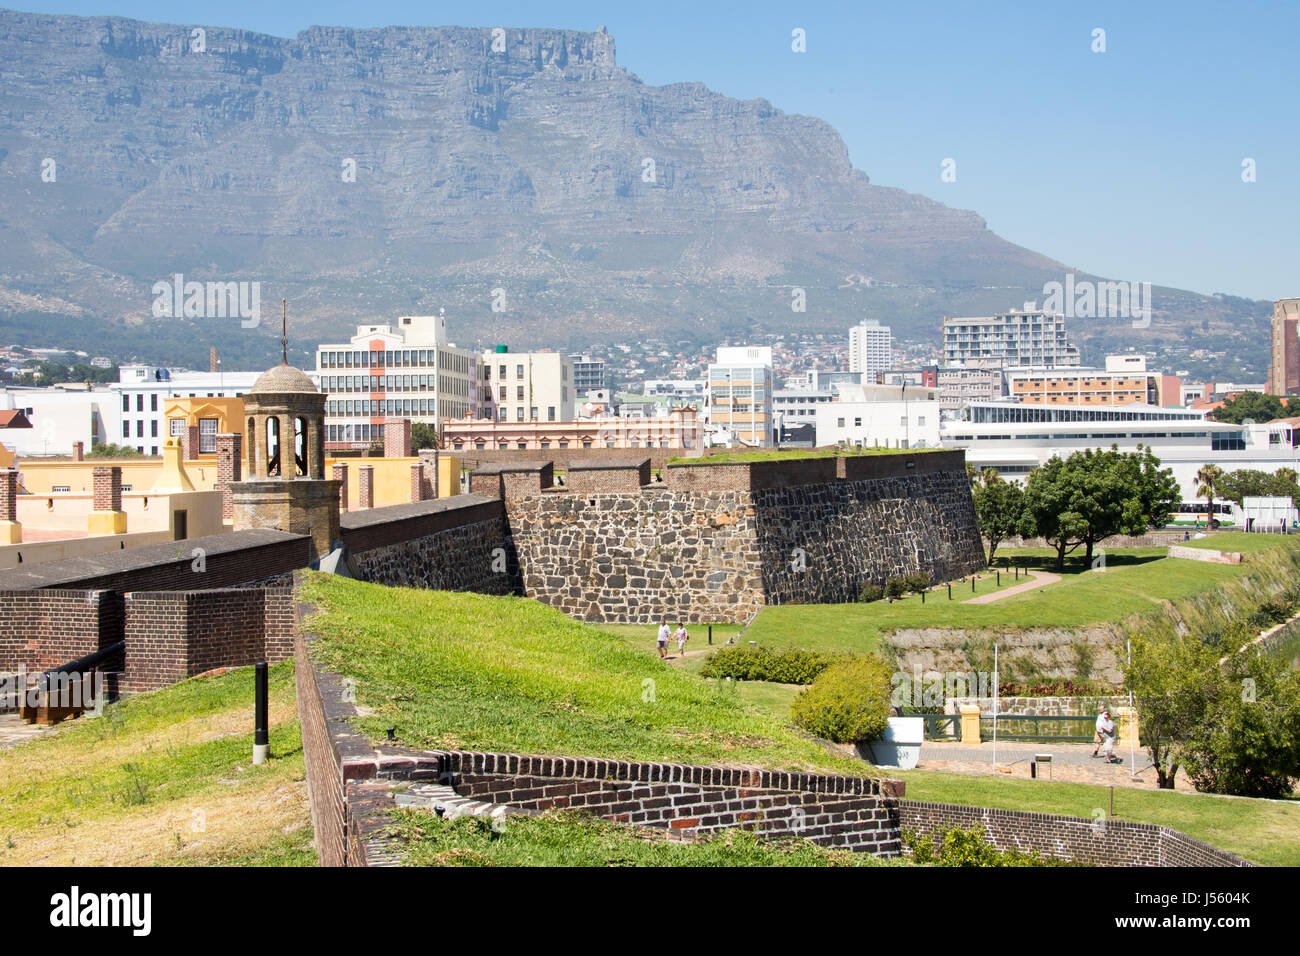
(1136, 581)
(476, 672)
(575, 839)
(162, 778)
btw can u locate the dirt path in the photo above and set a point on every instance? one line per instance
(1040, 579)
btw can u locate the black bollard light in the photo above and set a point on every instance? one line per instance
(710, 633)
(949, 590)
(261, 739)
(999, 574)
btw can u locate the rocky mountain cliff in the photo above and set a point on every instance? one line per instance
(519, 178)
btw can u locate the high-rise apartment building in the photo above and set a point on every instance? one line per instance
(588, 374)
(527, 386)
(870, 347)
(1014, 338)
(1284, 369)
(407, 370)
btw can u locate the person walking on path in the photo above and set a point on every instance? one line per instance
(1105, 736)
(662, 642)
(682, 637)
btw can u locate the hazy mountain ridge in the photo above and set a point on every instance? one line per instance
(524, 171)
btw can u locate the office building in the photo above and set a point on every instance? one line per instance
(403, 370)
(1124, 381)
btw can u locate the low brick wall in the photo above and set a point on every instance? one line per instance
(43, 629)
(1096, 842)
(608, 476)
(172, 635)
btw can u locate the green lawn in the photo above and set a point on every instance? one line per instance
(162, 778)
(1135, 581)
(478, 672)
(575, 839)
(1263, 831)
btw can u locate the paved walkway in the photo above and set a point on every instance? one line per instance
(1071, 763)
(14, 730)
(1040, 579)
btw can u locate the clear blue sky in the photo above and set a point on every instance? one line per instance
(1125, 163)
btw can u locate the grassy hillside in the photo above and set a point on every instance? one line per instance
(162, 778)
(476, 672)
(1136, 582)
(575, 839)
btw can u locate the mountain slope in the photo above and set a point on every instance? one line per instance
(526, 172)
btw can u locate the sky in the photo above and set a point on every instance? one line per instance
(1127, 162)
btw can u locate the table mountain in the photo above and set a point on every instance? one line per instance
(518, 177)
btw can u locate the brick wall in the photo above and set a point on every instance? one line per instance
(864, 821)
(172, 635)
(43, 629)
(1095, 842)
(107, 487)
(612, 476)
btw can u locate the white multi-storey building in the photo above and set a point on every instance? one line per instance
(527, 386)
(1015, 338)
(880, 416)
(1016, 438)
(739, 399)
(871, 347)
(405, 370)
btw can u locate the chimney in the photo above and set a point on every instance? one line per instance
(397, 438)
(108, 516)
(78, 451)
(366, 487)
(11, 532)
(229, 469)
(341, 475)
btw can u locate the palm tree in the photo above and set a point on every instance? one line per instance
(1208, 477)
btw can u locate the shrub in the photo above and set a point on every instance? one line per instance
(871, 592)
(895, 588)
(957, 847)
(848, 702)
(917, 581)
(786, 666)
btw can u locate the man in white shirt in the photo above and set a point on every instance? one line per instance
(1105, 735)
(665, 632)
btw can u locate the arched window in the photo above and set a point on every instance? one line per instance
(272, 446)
(251, 437)
(300, 447)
